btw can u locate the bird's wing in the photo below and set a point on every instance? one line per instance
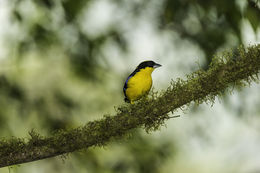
(125, 86)
(131, 75)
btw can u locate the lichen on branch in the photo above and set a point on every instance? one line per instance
(237, 68)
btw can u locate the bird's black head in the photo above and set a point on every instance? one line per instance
(148, 64)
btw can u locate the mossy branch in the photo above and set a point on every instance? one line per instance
(235, 68)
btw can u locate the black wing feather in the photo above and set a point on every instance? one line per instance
(125, 85)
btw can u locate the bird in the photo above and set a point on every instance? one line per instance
(139, 82)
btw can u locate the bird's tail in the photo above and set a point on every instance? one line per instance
(127, 100)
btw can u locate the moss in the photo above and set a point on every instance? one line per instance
(234, 68)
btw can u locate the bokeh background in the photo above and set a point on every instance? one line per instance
(63, 63)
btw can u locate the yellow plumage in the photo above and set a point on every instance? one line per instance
(140, 84)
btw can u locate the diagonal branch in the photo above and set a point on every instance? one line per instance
(231, 69)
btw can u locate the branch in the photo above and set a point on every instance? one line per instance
(230, 69)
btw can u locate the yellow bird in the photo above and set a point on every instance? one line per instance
(139, 82)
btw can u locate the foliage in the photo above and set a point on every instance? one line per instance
(204, 22)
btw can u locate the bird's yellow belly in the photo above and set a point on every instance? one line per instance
(138, 86)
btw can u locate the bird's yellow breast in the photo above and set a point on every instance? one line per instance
(140, 84)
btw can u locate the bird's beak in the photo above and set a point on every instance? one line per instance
(157, 65)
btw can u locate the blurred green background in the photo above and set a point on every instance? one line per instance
(64, 62)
